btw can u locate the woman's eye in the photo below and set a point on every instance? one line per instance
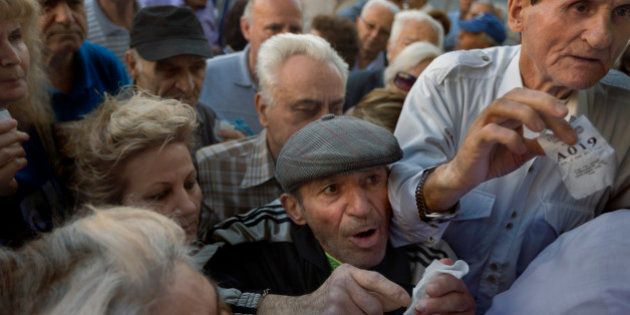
(159, 196)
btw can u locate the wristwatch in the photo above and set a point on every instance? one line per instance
(426, 215)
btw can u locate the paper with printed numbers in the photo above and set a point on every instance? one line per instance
(587, 166)
(4, 114)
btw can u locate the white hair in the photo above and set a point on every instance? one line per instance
(247, 13)
(419, 16)
(113, 261)
(394, 9)
(409, 57)
(276, 50)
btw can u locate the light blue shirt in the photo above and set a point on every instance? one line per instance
(230, 90)
(450, 40)
(584, 271)
(505, 222)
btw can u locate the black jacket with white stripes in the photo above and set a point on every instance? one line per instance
(264, 251)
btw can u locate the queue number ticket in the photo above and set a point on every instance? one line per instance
(587, 166)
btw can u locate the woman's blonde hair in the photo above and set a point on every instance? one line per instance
(117, 130)
(112, 261)
(381, 107)
(34, 111)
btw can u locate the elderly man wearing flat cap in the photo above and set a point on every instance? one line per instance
(167, 57)
(329, 251)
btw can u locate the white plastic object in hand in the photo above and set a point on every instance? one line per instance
(457, 270)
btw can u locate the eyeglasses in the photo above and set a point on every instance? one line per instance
(404, 81)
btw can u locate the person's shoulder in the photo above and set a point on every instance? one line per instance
(234, 149)
(93, 50)
(224, 61)
(616, 82)
(474, 63)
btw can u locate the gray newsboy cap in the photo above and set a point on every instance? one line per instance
(334, 145)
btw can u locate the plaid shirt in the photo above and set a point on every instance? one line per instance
(235, 177)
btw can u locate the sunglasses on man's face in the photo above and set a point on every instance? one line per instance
(404, 81)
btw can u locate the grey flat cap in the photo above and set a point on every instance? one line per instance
(334, 145)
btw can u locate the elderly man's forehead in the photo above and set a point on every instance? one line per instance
(344, 175)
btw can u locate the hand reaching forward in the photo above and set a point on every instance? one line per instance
(348, 290)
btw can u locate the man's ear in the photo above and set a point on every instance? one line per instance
(245, 28)
(261, 110)
(292, 206)
(131, 63)
(515, 14)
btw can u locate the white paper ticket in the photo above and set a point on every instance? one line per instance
(4, 114)
(587, 166)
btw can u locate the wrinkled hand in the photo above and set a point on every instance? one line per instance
(12, 155)
(446, 295)
(350, 290)
(495, 145)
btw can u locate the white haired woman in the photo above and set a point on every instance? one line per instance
(403, 72)
(136, 152)
(29, 190)
(112, 261)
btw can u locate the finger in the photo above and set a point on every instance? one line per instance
(12, 136)
(7, 125)
(448, 304)
(447, 261)
(10, 153)
(505, 109)
(540, 101)
(492, 134)
(364, 300)
(552, 111)
(443, 284)
(391, 295)
(230, 134)
(8, 171)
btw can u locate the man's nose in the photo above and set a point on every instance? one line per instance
(358, 204)
(62, 13)
(185, 82)
(599, 32)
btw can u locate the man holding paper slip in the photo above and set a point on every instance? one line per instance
(473, 171)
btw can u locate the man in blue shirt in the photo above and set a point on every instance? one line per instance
(231, 81)
(80, 72)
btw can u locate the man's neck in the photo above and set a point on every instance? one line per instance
(60, 70)
(251, 66)
(119, 13)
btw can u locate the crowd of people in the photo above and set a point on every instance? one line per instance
(322, 157)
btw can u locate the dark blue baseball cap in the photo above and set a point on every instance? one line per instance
(485, 23)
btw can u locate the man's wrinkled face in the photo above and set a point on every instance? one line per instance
(179, 77)
(349, 215)
(411, 31)
(268, 18)
(306, 89)
(567, 43)
(373, 27)
(63, 24)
